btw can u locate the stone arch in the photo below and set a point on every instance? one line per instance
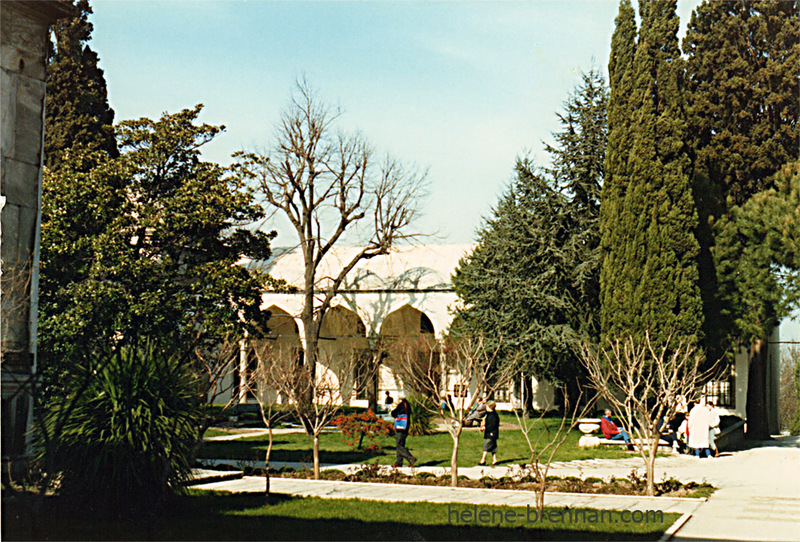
(282, 339)
(407, 322)
(343, 352)
(409, 346)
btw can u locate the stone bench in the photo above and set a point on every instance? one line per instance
(591, 441)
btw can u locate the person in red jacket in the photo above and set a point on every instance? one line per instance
(612, 432)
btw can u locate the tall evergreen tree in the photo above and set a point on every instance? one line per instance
(743, 83)
(758, 258)
(77, 113)
(578, 168)
(531, 284)
(620, 69)
(656, 274)
(513, 285)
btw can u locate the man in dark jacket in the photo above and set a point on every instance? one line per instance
(402, 425)
(491, 432)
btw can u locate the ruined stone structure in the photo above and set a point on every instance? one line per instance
(23, 39)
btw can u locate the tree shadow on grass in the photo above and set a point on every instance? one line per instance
(209, 516)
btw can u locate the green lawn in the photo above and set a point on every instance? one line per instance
(214, 516)
(432, 450)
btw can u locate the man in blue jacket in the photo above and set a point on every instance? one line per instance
(402, 425)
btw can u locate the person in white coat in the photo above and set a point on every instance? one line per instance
(699, 426)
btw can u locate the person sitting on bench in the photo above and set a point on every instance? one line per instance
(612, 432)
(477, 413)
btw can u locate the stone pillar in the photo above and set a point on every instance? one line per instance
(23, 49)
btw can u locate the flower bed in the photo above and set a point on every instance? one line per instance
(518, 479)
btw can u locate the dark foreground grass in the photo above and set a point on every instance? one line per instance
(431, 450)
(216, 516)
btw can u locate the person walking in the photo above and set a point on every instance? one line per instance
(388, 402)
(402, 424)
(491, 432)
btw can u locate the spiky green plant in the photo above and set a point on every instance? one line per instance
(422, 409)
(128, 437)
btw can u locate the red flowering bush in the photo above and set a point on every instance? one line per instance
(356, 427)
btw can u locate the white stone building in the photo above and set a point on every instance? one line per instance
(406, 293)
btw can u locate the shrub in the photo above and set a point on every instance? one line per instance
(422, 409)
(129, 436)
(356, 427)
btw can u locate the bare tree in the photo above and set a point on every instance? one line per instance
(213, 367)
(645, 384)
(465, 361)
(315, 397)
(330, 185)
(545, 446)
(264, 384)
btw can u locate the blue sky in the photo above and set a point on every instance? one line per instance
(458, 88)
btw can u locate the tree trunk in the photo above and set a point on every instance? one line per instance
(372, 384)
(650, 470)
(757, 422)
(266, 465)
(541, 475)
(316, 457)
(454, 459)
(527, 392)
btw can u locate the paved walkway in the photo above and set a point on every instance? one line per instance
(758, 496)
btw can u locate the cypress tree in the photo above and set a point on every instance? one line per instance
(620, 69)
(77, 111)
(656, 276)
(743, 83)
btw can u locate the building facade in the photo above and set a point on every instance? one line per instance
(23, 50)
(403, 296)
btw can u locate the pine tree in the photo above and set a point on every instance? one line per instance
(77, 112)
(620, 69)
(578, 168)
(531, 284)
(513, 284)
(656, 276)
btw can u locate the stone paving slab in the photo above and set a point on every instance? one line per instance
(410, 493)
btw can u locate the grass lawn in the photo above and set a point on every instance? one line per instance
(431, 450)
(216, 516)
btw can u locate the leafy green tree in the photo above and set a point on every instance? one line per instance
(78, 113)
(758, 260)
(654, 239)
(146, 245)
(743, 79)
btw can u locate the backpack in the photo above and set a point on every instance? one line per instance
(401, 422)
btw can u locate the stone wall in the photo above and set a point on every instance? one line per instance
(23, 49)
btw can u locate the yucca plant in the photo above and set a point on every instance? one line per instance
(127, 442)
(422, 410)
